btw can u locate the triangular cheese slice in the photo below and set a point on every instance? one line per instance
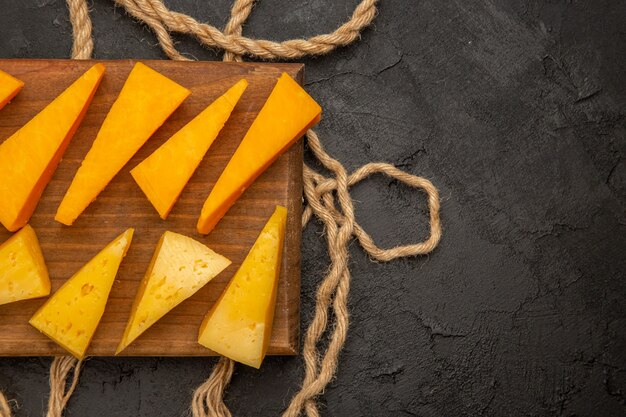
(239, 325)
(163, 175)
(9, 87)
(70, 317)
(147, 99)
(30, 156)
(180, 267)
(23, 272)
(286, 115)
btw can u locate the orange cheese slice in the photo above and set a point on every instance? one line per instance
(71, 316)
(163, 175)
(239, 325)
(286, 115)
(180, 267)
(147, 99)
(23, 272)
(30, 156)
(9, 87)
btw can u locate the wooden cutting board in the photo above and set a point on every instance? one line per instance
(122, 205)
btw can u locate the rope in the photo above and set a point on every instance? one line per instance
(5, 407)
(208, 398)
(340, 225)
(81, 29)
(59, 371)
(328, 198)
(325, 186)
(238, 15)
(154, 11)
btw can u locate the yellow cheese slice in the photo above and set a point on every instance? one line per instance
(286, 115)
(145, 102)
(70, 317)
(9, 87)
(163, 175)
(29, 157)
(239, 325)
(179, 267)
(23, 272)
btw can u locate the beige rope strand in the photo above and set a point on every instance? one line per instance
(149, 17)
(154, 10)
(336, 283)
(5, 407)
(317, 190)
(238, 15)
(59, 371)
(208, 398)
(81, 29)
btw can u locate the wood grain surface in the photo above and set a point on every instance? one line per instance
(122, 205)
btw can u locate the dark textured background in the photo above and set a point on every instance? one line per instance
(516, 111)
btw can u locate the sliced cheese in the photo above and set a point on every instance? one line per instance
(287, 114)
(23, 272)
(30, 156)
(70, 317)
(239, 325)
(147, 99)
(180, 267)
(9, 87)
(163, 175)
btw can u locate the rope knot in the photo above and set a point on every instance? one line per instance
(319, 192)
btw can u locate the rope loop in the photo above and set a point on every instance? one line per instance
(324, 186)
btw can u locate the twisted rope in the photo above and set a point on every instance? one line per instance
(238, 15)
(325, 186)
(321, 193)
(341, 226)
(208, 398)
(59, 395)
(154, 11)
(5, 407)
(82, 47)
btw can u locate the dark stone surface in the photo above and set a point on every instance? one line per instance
(516, 111)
